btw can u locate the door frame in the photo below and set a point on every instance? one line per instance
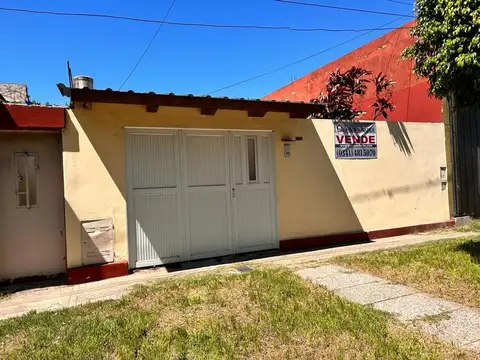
(130, 213)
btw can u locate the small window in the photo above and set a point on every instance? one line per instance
(26, 171)
(252, 159)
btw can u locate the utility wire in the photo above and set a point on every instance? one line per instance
(176, 23)
(148, 46)
(401, 2)
(382, 27)
(341, 8)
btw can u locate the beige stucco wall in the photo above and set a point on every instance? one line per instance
(32, 241)
(395, 190)
(402, 187)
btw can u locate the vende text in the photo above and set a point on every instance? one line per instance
(353, 139)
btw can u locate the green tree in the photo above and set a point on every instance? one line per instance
(447, 48)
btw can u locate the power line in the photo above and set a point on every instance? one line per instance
(149, 44)
(176, 23)
(401, 2)
(382, 27)
(341, 8)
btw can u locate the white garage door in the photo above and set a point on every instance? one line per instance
(195, 194)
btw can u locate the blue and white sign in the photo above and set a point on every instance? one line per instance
(355, 140)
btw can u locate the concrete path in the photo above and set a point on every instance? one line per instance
(57, 297)
(450, 321)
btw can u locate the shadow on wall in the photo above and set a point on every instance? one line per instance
(75, 243)
(399, 133)
(318, 185)
(399, 190)
(70, 141)
(6, 120)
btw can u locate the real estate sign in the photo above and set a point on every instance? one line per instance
(355, 140)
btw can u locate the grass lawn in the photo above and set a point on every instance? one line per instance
(448, 268)
(266, 314)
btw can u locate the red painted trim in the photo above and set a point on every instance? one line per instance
(91, 273)
(321, 241)
(339, 239)
(24, 117)
(378, 234)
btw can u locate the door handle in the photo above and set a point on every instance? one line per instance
(233, 193)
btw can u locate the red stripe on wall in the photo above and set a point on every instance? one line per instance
(339, 239)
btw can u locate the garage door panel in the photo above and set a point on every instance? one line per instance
(206, 160)
(253, 220)
(153, 161)
(157, 228)
(209, 223)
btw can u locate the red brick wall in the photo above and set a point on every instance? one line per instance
(381, 55)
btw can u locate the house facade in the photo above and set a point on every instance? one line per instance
(153, 179)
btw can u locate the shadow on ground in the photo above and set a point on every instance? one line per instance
(472, 248)
(30, 283)
(239, 258)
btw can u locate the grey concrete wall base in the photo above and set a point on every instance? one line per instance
(462, 220)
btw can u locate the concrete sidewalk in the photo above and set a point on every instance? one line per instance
(449, 321)
(57, 297)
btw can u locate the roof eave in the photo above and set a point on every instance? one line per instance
(207, 105)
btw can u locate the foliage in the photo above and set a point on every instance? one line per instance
(338, 100)
(447, 48)
(383, 96)
(34, 102)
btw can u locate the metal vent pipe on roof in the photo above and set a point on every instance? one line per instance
(82, 82)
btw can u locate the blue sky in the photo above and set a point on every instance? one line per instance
(182, 60)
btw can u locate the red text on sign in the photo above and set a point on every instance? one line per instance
(354, 139)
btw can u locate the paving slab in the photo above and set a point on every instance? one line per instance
(369, 293)
(460, 327)
(416, 306)
(341, 281)
(323, 271)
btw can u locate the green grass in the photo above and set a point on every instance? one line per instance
(473, 225)
(448, 268)
(266, 314)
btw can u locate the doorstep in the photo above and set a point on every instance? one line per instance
(90, 273)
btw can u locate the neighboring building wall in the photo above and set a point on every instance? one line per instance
(316, 195)
(381, 55)
(32, 239)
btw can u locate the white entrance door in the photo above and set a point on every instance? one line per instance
(253, 194)
(155, 202)
(198, 193)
